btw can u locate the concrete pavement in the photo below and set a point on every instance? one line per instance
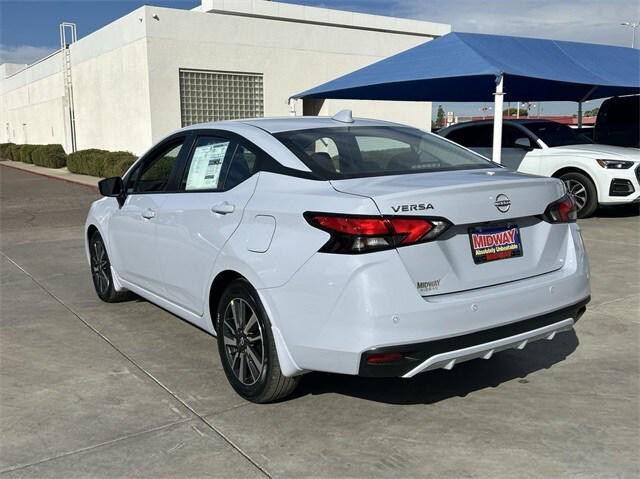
(128, 390)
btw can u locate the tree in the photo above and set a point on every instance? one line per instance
(592, 112)
(440, 117)
(514, 112)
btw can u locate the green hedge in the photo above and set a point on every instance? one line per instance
(91, 162)
(86, 162)
(118, 163)
(5, 149)
(25, 153)
(100, 163)
(51, 156)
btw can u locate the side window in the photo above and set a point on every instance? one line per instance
(205, 170)
(243, 165)
(477, 136)
(154, 175)
(510, 134)
(461, 136)
(324, 152)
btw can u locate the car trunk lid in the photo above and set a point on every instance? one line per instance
(496, 200)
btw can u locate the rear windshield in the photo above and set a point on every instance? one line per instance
(359, 151)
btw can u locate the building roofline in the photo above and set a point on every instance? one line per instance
(324, 16)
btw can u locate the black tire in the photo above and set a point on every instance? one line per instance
(246, 346)
(101, 272)
(583, 190)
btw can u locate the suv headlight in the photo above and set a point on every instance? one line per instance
(615, 164)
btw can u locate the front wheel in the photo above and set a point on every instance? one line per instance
(583, 191)
(246, 346)
(101, 272)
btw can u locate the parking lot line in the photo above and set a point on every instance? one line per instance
(143, 370)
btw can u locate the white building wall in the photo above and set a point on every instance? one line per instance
(110, 91)
(31, 104)
(111, 97)
(292, 56)
(111, 86)
(126, 80)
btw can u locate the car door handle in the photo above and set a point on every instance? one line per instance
(223, 208)
(148, 214)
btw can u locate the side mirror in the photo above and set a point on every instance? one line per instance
(111, 187)
(524, 143)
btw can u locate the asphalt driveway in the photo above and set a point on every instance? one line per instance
(128, 390)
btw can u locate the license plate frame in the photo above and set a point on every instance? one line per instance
(495, 243)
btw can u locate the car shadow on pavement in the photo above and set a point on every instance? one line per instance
(439, 385)
(622, 211)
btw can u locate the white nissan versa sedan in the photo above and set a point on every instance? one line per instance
(331, 244)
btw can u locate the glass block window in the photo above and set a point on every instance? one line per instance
(214, 95)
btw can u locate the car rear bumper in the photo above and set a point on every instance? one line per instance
(336, 308)
(446, 353)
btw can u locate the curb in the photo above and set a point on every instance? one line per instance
(42, 171)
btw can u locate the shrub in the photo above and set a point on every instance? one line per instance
(87, 162)
(51, 156)
(100, 163)
(25, 153)
(117, 163)
(5, 150)
(13, 152)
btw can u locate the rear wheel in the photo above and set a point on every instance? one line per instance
(101, 272)
(583, 191)
(246, 346)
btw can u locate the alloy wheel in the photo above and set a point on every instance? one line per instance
(243, 341)
(100, 267)
(578, 191)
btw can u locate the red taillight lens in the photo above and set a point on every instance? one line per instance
(413, 228)
(353, 225)
(362, 234)
(564, 210)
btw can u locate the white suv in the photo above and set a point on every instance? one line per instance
(348, 246)
(594, 174)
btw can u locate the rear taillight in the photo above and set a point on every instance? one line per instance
(564, 210)
(352, 234)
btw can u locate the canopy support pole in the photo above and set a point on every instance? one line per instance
(584, 98)
(579, 114)
(498, 102)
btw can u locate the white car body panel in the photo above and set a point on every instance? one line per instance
(327, 309)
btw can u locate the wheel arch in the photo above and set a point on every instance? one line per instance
(218, 285)
(575, 169)
(90, 230)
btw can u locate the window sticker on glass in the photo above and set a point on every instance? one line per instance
(206, 165)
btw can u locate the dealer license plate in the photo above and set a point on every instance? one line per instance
(494, 243)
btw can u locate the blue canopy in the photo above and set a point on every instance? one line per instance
(464, 67)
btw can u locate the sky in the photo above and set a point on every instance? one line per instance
(29, 28)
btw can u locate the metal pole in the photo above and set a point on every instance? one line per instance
(579, 114)
(498, 101)
(633, 26)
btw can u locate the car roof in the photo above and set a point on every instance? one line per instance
(288, 123)
(517, 121)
